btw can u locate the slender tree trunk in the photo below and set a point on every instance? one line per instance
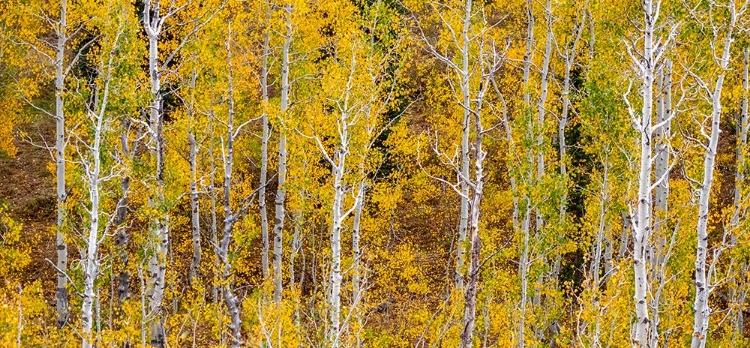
(642, 221)
(230, 217)
(703, 286)
(659, 257)
(215, 289)
(541, 109)
(61, 244)
(523, 265)
(523, 270)
(627, 230)
(462, 228)
(739, 298)
(278, 227)
(122, 239)
(264, 148)
(596, 263)
(195, 263)
(296, 247)
(91, 263)
(91, 266)
(339, 191)
(470, 295)
(357, 289)
(159, 228)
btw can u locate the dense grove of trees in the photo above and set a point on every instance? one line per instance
(374, 173)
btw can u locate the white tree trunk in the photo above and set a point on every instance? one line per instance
(122, 239)
(61, 244)
(195, 263)
(296, 247)
(337, 219)
(523, 265)
(703, 286)
(642, 219)
(462, 228)
(278, 227)
(230, 217)
(92, 166)
(541, 109)
(159, 228)
(658, 258)
(470, 295)
(357, 288)
(264, 149)
(739, 295)
(91, 263)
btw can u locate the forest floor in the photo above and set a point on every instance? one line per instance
(27, 187)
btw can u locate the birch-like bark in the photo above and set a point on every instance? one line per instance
(739, 294)
(299, 219)
(230, 217)
(122, 239)
(91, 263)
(337, 219)
(61, 244)
(523, 269)
(470, 295)
(541, 109)
(278, 227)
(490, 61)
(596, 263)
(658, 258)
(627, 230)
(264, 147)
(646, 64)
(195, 263)
(540, 167)
(523, 265)
(357, 289)
(742, 127)
(152, 22)
(463, 223)
(92, 169)
(215, 290)
(703, 285)
(338, 169)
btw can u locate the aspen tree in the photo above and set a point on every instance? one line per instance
(93, 177)
(523, 263)
(59, 53)
(703, 284)
(353, 104)
(278, 227)
(461, 68)
(231, 215)
(491, 61)
(195, 226)
(737, 200)
(658, 254)
(264, 142)
(62, 246)
(153, 22)
(645, 64)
